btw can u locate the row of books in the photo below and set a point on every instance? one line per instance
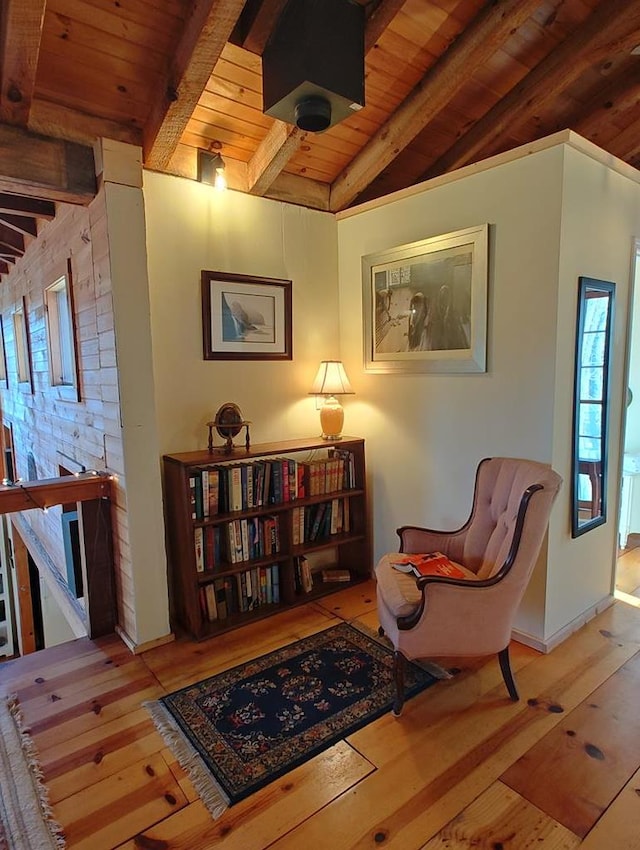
(304, 576)
(241, 592)
(315, 522)
(257, 484)
(236, 541)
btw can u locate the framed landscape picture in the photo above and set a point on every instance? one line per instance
(245, 318)
(425, 304)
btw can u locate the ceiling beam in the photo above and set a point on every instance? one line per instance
(593, 119)
(626, 144)
(7, 257)
(203, 38)
(10, 239)
(43, 167)
(26, 206)
(21, 37)
(20, 223)
(4, 268)
(263, 25)
(283, 140)
(62, 122)
(612, 27)
(378, 20)
(480, 40)
(276, 149)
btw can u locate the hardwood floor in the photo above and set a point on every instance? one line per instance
(628, 568)
(464, 767)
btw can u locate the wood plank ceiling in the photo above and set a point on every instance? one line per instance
(447, 83)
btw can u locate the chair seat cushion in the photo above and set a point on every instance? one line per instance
(400, 590)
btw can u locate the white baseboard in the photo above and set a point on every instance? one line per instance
(138, 648)
(566, 631)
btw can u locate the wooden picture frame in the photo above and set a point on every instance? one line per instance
(425, 304)
(246, 317)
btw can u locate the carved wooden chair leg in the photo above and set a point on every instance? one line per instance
(399, 662)
(507, 675)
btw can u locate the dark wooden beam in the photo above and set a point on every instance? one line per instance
(6, 257)
(42, 167)
(11, 239)
(27, 206)
(4, 268)
(20, 223)
(262, 25)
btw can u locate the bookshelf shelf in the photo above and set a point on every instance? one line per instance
(251, 531)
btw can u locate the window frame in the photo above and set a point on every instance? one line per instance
(62, 346)
(22, 342)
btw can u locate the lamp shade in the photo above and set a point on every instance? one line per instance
(331, 379)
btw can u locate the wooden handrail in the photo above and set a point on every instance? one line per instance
(27, 495)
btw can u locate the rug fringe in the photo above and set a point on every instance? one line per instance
(209, 791)
(30, 752)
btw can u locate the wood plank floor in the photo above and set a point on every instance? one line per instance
(464, 767)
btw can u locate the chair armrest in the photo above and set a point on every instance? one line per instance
(452, 588)
(414, 539)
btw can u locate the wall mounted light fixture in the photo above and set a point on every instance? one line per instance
(211, 169)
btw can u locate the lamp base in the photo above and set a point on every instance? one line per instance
(332, 437)
(331, 419)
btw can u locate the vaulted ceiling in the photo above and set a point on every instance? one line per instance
(447, 83)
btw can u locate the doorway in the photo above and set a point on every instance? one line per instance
(628, 562)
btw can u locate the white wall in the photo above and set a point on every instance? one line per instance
(554, 213)
(632, 433)
(55, 626)
(600, 220)
(191, 227)
(427, 433)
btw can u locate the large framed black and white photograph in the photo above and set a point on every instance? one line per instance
(245, 317)
(425, 304)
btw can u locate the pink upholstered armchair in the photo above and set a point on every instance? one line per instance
(496, 549)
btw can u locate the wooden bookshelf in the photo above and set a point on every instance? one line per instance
(240, 525)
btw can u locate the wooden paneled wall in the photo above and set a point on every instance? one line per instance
(64, 433)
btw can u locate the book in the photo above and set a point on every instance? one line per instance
(213, 491)
(429, 564)
(335, 575)
(198, 536)
(305, 578)
(211, 606)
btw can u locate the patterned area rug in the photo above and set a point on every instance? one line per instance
(25, 817)
(239, 730)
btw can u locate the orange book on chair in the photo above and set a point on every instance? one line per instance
(429, 564)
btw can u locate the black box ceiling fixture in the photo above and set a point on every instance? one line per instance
(313, 64)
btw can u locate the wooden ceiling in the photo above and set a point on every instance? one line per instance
(447, 83)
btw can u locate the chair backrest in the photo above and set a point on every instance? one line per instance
(501, 483)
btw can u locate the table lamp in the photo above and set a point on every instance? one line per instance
(330, 381)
